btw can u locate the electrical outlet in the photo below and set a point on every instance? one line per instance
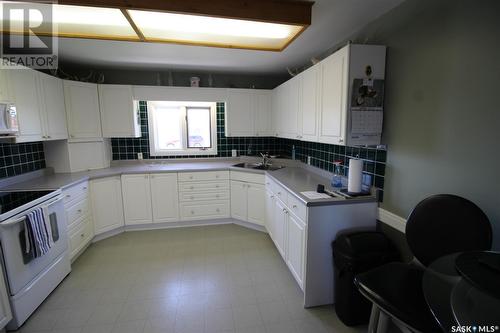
(309, 160)
(139, 156)
(234, 152)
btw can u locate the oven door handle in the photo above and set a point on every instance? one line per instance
(9, 223)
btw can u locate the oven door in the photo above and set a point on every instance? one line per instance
(21, 268)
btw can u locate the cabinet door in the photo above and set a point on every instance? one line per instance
(256, 199)
(82, 107)
(239, 113)
(334, 90)
(270, 213)
(279, 228)
(290, 112)
(54, 110)
(23, 83)
(308, 109)
(136, 199)
(239, 200)
(5, 312)
(263, 113)
(296, 238)
(164, 197)
(119, 114)
(107, 206)
(5, 91)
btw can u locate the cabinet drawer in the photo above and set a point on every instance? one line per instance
(82, 234)
(79, 209)
(297, 207)
(205, 186)
(204, 196)
(278, 190)
(203, 176)
(76, 191)
(248, 177)
(202, 210)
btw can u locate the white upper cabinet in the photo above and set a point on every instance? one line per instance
(248, 112)
(239, 115)
(165, 197)
(119, 112)
(334, 92)
(107, 207)
(286, 109)
(5, 91)
(24, 86)
(136, 191)
(263, 113)
(82, 109)
(54, 110)
(308, 104)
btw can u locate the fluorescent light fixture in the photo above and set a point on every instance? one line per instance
(159, 26)
(213, 31)
(79, 22)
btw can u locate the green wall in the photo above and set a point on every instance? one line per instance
(442, 120)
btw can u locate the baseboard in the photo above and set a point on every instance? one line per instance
(391, 219)
(168, 225)
(250, 225)
(180, 224)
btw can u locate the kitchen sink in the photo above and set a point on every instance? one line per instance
(258, 166)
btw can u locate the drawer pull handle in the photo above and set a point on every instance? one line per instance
(82, 235)
(272, 196)
(68, 196)
(294, 206)
(79, 211)
(279, 193)
(284, 210)
(216, 186)
(84, 188)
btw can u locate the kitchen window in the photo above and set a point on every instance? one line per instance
(182, 128)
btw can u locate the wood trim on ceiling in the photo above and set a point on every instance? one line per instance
(294, 12)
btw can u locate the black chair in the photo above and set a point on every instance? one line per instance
(439, 225)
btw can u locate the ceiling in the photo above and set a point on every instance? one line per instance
(332, 22)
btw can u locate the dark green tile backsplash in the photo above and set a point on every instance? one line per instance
(16, 159)
(322, 155)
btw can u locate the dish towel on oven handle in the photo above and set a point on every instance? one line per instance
(38, 234)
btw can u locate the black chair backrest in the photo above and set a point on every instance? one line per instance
(443, 224)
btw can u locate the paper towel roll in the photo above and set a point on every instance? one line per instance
(355, 178)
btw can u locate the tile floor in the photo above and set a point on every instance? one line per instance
(211, 279)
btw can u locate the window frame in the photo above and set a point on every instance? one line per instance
(154, 149)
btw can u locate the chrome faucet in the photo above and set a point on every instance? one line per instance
(265, 160)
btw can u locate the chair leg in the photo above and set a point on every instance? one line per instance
(374, 317)
(383, 322)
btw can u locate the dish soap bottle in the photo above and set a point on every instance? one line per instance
(293, 152)
(337, 176)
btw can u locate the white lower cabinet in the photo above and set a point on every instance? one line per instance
(296, 239)
(136, 191)
(279, 227)
(204, 195)
(77, 205)
(286, 223)
(239, 200)
(150, 198)
(164, 197)
(107, 206)
(248, 201)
